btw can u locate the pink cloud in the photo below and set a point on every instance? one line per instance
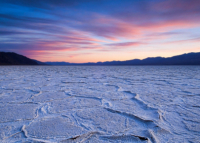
(114, 29)
(125, 44)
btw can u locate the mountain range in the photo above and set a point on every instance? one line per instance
(185, 59)
(10, 58)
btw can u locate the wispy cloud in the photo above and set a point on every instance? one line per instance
(125, 44)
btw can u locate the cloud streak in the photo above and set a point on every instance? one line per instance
(125, 44)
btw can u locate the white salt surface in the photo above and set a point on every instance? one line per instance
(152, 104)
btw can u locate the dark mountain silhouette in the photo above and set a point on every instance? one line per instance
(185, 59)
(10, 58)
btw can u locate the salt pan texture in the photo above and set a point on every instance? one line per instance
(152, 104)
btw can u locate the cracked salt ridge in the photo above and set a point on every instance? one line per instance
(138, 104)
(11, 130)
(99, 119)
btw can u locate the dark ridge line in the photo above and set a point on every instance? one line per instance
(140, 137)
(132, 116)
(124, 136)
(90, 134)
(83, 136)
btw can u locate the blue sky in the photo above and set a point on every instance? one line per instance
(99, 30)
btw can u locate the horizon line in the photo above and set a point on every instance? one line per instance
(122, 60)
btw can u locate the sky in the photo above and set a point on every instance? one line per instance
(79, 31)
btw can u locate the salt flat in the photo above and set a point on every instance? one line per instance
(153, 104)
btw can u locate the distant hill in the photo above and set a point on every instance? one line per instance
(59, 63)
(40, 63)
(10, 58)
(185, 59)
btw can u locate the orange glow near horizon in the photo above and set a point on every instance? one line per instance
(84, 58)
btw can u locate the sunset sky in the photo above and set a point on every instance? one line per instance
(99, 30)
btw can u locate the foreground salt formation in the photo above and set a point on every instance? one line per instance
(100, 104)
